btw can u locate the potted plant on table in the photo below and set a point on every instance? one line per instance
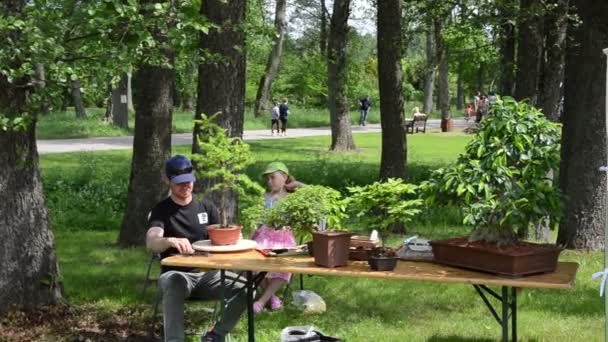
(314, 211)
(382, 205)
(504, 183)
(223, 159)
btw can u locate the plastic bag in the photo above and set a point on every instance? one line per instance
(308, 301)
(305, 334)
(415, 249)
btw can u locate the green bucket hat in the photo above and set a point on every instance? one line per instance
(274, 167)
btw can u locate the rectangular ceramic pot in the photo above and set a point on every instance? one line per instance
(509, 261)
(331, 248)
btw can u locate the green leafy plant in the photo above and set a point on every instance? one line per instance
(504, 178)
(381, 205)
(304, 209)
(223, 159)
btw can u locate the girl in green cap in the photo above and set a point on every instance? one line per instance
(280, 184)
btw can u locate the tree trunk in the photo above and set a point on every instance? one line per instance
(429, 73)
(442, 59)
(459, 90)
(77, 97)
(130, 92)
(221, 86)
(41, 79)
(394, 150)
(323, 29)
(556, 24)
(341, 133)
(480, 73)
(507, 49)
(584, 130)
(274, 59)
(120, 109)
(151, 143)
(29, 276)
(529, 52)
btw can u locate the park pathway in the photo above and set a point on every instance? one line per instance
(126, 142)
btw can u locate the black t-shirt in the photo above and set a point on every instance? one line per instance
(283, 111)
(189, 221)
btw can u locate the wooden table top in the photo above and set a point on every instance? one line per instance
(562, 278)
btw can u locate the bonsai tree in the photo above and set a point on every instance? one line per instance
(223, 159)
(504, 178)
(304, 209)
(381, 205)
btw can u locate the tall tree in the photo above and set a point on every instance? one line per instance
(120, 103)
(274, 59)
(152, 141)
(77, 98)
(584, 130)
(341, 133)
(429, 70)
(221, 76)
(394, 150)
(529, 51)
(29, 276)
(323, 28)
(442, 59)
(556, 24)
(507, 42)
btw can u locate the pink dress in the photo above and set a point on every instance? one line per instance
(270, 238)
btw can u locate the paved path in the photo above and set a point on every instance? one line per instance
(126, 142)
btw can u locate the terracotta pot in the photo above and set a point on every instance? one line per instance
(516, 260)
(224, 236)
(447, 125)
(382, 263)
(331, 248)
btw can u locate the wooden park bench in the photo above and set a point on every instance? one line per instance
(418, 123)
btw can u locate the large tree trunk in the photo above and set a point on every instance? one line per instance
(394, 150)
(120, 99)
(429, 72)
(130, 92)
(556, 24)
(442, 59)
(507, 49)
(221, 82)
(77, 98)
(459, 89)
(584, 130)
(529, 52)
(29, 276)
(323, 29)
(151, 144)
(274, 59)
(341, 133)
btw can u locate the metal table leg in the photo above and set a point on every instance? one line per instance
(509, 309)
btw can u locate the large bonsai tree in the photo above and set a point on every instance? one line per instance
(223, 159)
(504, 180)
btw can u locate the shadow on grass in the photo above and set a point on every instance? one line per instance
(455, 338)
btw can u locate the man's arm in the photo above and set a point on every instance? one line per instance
(157, 243)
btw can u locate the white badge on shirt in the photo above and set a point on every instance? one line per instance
(202, 218)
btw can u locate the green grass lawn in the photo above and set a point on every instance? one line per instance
(86, 194)
(64, 125)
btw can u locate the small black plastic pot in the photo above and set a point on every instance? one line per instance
(382, 263)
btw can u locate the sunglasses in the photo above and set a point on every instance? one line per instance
(176, 172)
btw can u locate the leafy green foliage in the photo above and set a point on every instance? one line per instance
(381, 205)
(305, 208)
(503, 179)
(223, 159)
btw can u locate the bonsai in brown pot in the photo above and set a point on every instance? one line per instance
(315, 211)
(381, 206)
(222, 159)
(502, 181)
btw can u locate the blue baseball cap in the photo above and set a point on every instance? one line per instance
(179, 170)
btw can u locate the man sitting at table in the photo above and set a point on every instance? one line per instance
(175, 223)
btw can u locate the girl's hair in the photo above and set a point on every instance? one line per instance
(289, 180)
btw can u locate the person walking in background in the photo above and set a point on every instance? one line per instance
(364, 105)
(274, 119)
(283, 114)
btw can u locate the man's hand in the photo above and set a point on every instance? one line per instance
(182, 245)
